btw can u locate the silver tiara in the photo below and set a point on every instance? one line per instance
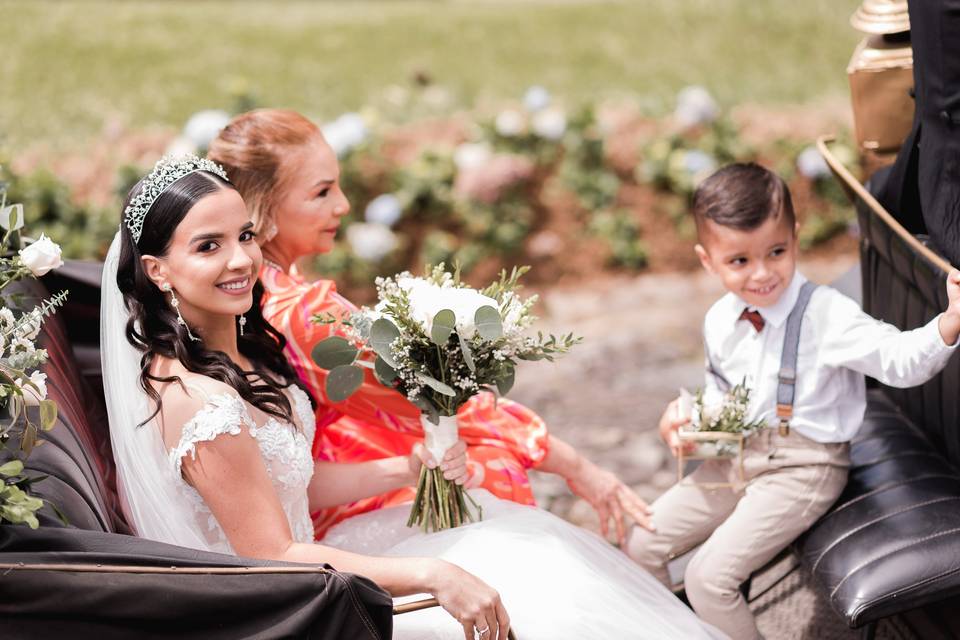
(168, 170)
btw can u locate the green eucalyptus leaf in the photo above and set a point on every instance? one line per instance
(334, 352)
(12, 468)
(384, 372)
(48, 414)
(343, 381)
(28, 440)
(443, 325)
(505, 383)
(382, 334)
(488, 323)
(436, 385)
(467, 353)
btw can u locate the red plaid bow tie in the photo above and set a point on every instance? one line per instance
(754, 317)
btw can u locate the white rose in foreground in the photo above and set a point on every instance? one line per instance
(550, 124)
(371, 241)
(42, 256)
(510, 123)
(427, 300)
(31, 396)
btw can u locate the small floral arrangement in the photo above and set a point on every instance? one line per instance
(713, 424)
(21, 384)
(439, 343)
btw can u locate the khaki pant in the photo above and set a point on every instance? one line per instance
(789, 483)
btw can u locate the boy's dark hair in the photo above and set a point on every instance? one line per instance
(742, 196)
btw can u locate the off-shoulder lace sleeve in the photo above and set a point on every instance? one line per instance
(303, 411)
(223, 413)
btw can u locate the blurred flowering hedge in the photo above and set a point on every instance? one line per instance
(532, 182)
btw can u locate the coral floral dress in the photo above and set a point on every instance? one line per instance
(503, 439)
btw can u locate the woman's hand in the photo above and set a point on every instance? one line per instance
(454, 464)
(474, 603)
(610, 497)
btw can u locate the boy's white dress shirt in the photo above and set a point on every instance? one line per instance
(839, 345)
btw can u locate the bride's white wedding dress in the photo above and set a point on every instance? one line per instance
(556, 580)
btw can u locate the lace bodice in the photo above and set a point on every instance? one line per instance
(284, 447)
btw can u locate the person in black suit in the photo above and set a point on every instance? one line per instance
(922, 189)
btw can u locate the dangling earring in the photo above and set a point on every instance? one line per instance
(242, 320)
(176, 307)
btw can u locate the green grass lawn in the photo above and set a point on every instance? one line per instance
(66, 66)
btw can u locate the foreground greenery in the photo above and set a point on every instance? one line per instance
(66, 67)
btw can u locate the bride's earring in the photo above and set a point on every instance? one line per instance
(242, 321)
(176, 307)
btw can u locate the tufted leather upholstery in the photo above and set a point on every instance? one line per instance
(140, 595)
(891, 544)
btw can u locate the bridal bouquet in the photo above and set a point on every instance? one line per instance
(21, 385)
(439, 343)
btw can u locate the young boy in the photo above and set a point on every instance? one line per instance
(796, 468)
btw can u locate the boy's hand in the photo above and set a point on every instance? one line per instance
(950, 320)
(670, 422)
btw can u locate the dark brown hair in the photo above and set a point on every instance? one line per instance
(153, 328)
(742, 196)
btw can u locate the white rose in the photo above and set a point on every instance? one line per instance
(12, 211)
(427, 299)
(42, 256)
(204, 126)
(384, 209)
(510, 123)
(31, 396)
(550, 124)
(371, 241)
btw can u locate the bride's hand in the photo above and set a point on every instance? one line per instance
(474, 603)
(610, 497)
(454, 464)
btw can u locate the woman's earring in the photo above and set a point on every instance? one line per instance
(242, 320)
(176, 307)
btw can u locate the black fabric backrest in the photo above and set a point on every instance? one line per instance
(76, 453)
(902, 287)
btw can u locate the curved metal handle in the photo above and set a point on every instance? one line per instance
(852, 184)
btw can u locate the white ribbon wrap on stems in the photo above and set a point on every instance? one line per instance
(438, 438)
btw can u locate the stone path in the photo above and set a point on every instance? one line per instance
(642, 342)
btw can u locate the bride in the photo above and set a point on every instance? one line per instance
(212, 433)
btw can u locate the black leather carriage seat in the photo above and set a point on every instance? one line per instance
(891, 544)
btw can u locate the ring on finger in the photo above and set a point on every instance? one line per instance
(480, 633)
